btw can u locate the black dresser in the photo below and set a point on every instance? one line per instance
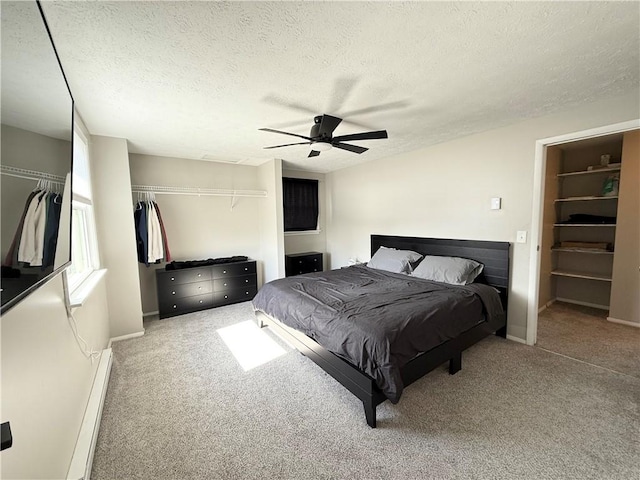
(297, 263)
(191, 289)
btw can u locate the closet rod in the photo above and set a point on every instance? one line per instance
(30, 174)
(160, 190)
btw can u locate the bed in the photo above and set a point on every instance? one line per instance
(375, 331)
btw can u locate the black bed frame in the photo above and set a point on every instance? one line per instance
(494, 256)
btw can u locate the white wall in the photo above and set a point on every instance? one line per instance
(199, 227)
(444, 191)
(625, 288)
(46, 380)
(116, 234)
(305, 242)
(271, 225)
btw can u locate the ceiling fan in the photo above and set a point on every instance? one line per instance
(321, 136)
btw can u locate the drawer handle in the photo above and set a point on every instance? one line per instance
(315, 259)
(246, 293)
(173, 293)
(246, 281)
(175, 306)
(246, 268)
(224, 284)
(199, 288)
(200, 301)
(224, 271)
(299, 261)
(173, 278)
(199, 274)
(226, 296)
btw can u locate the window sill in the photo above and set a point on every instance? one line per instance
(306, 232)
(83, 291)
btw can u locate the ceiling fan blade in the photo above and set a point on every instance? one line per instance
(313, 153)
(328, 124)
(290, 144)
(342, 88)
(377, 108)
(275, 100)
(284, 133)
(351, 148)
(362, 136)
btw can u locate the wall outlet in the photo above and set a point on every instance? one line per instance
(496, 203)
(521, 236)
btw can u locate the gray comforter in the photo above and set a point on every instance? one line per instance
(376, 320)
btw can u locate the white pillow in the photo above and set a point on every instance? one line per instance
(392, 260)
(453, 270)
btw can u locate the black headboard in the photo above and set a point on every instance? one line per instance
(493, 255)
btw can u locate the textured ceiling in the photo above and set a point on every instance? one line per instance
(198, 79)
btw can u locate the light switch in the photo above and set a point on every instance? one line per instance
(496, 203)
(521, 236)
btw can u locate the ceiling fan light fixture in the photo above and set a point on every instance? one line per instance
(321, 146)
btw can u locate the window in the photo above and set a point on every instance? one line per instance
(84, 251)
(300, 198)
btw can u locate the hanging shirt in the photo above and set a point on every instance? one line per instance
(165, 242)
(140, 218)
(51, 229)
(41, 224)
(27, 248)
(11, 258)
(155, 235)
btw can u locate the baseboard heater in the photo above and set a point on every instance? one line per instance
(82, 460)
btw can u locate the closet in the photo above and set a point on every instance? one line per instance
(583, 181)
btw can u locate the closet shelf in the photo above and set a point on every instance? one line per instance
(30, 174)
(582, 199)
(582, 250)
(219, 192)
(589, 172)
(588, 276)
(584, 224)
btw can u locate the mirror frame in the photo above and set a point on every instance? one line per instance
(4, 308)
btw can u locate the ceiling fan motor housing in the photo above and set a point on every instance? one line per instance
(321, 136)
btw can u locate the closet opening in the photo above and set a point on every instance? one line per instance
(586, 303)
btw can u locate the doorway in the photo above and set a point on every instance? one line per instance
(542, 190)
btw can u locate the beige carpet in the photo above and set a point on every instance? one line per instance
(179, 406)
(585, 334)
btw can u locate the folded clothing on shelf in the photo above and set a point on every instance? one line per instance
(586, 245)
(588, 218)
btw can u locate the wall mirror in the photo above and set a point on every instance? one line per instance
(36, 154)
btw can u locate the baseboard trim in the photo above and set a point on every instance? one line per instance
(546, 305)
(125, 337)
(149, 314)
(623, 322)
(584, 304)
(82, 459)
(516, 339)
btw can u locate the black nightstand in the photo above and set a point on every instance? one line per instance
(298, 263)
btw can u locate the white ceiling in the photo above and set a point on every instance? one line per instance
(196, 79)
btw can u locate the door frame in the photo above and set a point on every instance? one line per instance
(540, 165)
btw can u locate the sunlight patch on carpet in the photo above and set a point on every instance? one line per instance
(250, 344)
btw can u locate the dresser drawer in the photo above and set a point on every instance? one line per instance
(176, 277)
(187, 290)
(176, 306)
(233, 269)
(235, 295)
(223, 284)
